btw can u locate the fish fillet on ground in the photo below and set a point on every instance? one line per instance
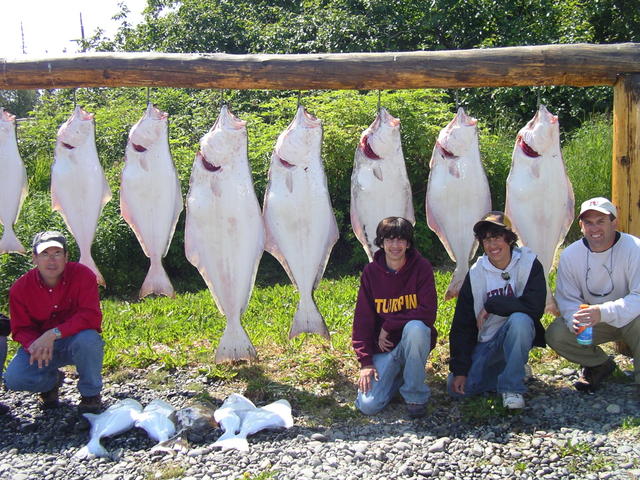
(539, 198)
(224, 232)
(13, 183)
(150, 195)
(300, 225)
(457, 193)
(380, 186)
(79, 188)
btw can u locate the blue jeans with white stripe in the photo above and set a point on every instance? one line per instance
(402, 369)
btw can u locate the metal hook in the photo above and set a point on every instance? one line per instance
(379, 97)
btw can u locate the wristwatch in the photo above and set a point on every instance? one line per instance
(56, 331)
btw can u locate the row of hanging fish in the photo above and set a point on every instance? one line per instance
(237, 416)
(539, 196)
(226, 233)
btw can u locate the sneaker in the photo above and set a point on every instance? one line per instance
(416, 410)
(512, 400)
(90, 404)
(592, 377)
(49, 400)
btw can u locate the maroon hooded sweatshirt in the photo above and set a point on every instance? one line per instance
(389, 300)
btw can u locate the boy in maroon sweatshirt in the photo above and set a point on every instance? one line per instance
(393, 330)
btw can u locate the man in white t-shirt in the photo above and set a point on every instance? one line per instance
(601, 270)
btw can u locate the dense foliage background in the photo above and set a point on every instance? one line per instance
(281, 26)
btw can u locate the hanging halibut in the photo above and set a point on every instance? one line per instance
(79, 189)
(539, 198)
(300, 225)
(150, 196)
(457, 193)
(380, 187)
(13, 183)
(224, 233)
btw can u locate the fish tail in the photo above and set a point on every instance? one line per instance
(157, 281)
(9, 242)
(235, 344)
(237, 443)
(308, 319)
(92, 448)
(87, 260)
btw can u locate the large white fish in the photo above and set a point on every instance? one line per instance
(380, 186)
(300, 224)
(13, 183)
(224, 232)
(79, 188)
(539, 198)
(239, 418)
(150, 196)
(457, 193)
(116, 419)
(154, 420)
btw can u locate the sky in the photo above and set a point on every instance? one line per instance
(51, 25)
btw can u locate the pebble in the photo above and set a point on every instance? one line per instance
(613, 408)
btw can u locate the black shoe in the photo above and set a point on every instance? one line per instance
(49, 400)
(90, 404)
(592, 377)
(3, 409)
(416, 410)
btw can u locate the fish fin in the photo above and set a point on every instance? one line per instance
(457, 279)
(92, 449)
(9, 242)
(88, 261)
(106, 193)
(157, 281)
(235, 344)
(308, 319)
(359, 231)
(377, 172)
(432, 222)
(454, 170)
(178, 206)
(233, 443)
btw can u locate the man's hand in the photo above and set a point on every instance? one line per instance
(482, 316)
(41, 349)
(364, 382)
(384, 343)
(588, 316)
(458, 384)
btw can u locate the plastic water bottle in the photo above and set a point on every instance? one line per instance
(585, 332)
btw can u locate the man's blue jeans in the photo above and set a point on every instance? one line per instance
(85, 350)
(403, 369)
(3, 352)
(498, 365)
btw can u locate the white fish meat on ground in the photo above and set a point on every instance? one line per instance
(300, 225)
(380, 186)
(154, 419)
(457, 193)
(116, 419)
(539, 198)
(224, 231)
(79, 188)
(239, 418)
(196, 418)
(13, 183)
(150, 195)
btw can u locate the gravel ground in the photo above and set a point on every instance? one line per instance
(561, 434)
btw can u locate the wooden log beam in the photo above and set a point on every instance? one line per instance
(625, 173)
(575, 65)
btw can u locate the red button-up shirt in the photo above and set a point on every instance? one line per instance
(72, 305)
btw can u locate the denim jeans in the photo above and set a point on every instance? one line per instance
(403, 369)
(3, 353)
(85, 350)
(498, 365)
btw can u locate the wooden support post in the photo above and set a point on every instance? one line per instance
(625, 174)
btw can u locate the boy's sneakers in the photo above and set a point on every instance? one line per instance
(512, 400)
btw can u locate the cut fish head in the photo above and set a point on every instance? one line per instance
(540, 134)
(382, 138)
(78, 129)
(458, 136)
(224, 143)
(150, 129)
(297, 144)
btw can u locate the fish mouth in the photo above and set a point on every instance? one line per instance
(67, 146)
(286, 164)
(367, 150)
(528, 151)
(445, 152)
(138, 148)
(208, 165)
